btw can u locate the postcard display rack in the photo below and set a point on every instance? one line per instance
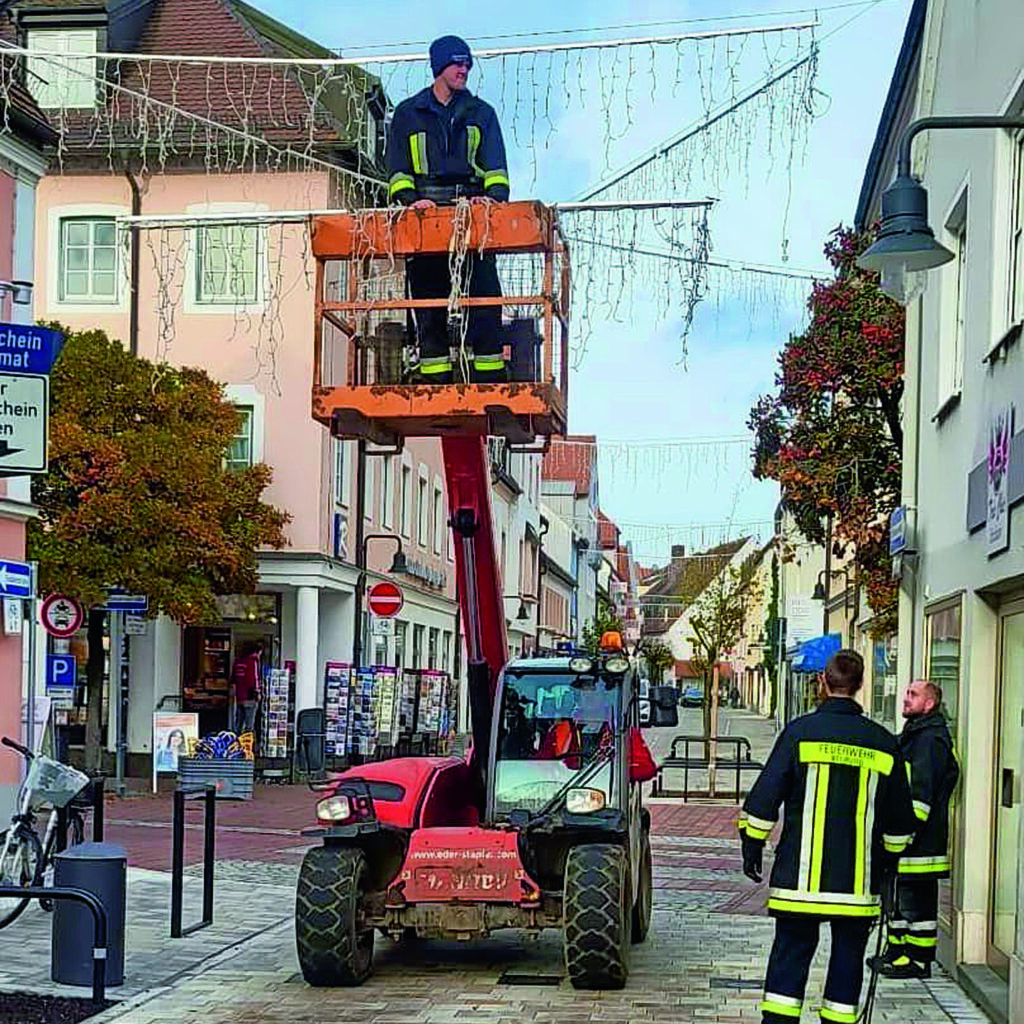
(277, 713)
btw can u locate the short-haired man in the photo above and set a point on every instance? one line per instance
(445, 144)
(848, 815)
(927, 748)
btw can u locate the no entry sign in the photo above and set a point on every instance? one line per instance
(385, 599)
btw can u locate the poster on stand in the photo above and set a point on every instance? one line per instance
(362, 730)
(337, 687)
(385, 684)
(431, 693)
(175, 734)
(275, 713)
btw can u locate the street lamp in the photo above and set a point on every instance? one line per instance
(19, 291)
(398, 565)
(522, 612)
(822, 593)
(906, 247)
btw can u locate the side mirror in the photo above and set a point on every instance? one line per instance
(310, 738)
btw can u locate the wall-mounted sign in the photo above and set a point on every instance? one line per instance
(997, 524)
(898, 530)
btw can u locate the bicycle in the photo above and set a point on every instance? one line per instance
(24, 859)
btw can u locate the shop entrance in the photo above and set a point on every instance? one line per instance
(1009, 784)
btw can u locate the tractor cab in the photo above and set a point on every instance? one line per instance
(367, 378)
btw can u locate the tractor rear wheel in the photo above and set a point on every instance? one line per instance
(645, 897)
(596, 909)
(335, 943)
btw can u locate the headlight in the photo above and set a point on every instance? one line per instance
(581, 665)
(584, 801)
(616, 664)
(334, 808)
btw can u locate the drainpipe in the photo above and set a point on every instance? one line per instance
(133, 298)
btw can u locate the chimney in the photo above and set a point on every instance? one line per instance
(678, 553)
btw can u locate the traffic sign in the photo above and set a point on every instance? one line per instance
(24, 422)
(61, 615)
(26, 348)
(382, 627)
(385, 599)
(117, 602)
(61, 670)
(15, 579)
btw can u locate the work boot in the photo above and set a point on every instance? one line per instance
(889, 954)
(904, 967)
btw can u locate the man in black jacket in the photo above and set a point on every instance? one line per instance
(445, 144)
(927, 748)
(848, 816)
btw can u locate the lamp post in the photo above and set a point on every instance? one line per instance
(398, 565)
(906, 245)
(823, 592)
(19, 291)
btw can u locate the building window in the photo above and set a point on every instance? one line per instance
(952, 334)
(227, 264)
(438, 519)
(88, 259)
(67, 81)
(417, 646)
(405, 502)
(423, 511)
(341, 471)
(239, 453)
(942, 654)
(371, 469)
(387, 492)
(433, 638)
(446, 652)
(1016, 298)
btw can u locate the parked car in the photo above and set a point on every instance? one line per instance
(692, 697)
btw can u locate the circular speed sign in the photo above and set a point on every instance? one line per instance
(385, 599)
(61, 616)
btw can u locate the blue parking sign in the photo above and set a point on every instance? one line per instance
(61, 670)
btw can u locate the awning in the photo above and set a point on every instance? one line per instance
(812, 655)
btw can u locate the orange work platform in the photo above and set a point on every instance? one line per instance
(366, 382)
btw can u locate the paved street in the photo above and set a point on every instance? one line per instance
(702, 962)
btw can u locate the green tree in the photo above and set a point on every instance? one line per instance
(772, 625)
(831, 433)
(137, 495)
(717, 621)
(604, 621)
(658, 656)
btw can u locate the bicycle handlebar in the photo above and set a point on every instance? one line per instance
(24, 751)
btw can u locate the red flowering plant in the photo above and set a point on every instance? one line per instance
(831, 432)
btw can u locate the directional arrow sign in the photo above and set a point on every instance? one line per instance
(15, 579)
(24, 417)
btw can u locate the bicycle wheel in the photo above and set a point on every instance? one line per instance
(18, 867)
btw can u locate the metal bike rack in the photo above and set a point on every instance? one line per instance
(209, 794)
(99, 926)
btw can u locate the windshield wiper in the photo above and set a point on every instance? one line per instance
(585, 774)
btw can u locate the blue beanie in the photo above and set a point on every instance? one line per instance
(448, 50)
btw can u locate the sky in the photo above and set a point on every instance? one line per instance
(633, 383)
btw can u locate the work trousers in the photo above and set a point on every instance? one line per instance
(914, 928)
(796, 939)
(429, 277)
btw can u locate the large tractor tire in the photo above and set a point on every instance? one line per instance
(334, 943)
(596, 908)
(645, 897)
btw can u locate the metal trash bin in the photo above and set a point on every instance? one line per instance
(102, 869)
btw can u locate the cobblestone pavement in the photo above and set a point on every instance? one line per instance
(704, 959)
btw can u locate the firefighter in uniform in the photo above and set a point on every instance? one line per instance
(848, 815)
(445, 144)
(927, 749)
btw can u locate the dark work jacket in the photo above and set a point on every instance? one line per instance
(848, 812)
(436, 150)
(927, 749)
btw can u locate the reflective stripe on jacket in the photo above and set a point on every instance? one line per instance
(847, 808)
(927, 748)
(457, 144)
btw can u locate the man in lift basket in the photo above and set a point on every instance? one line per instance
(445, 144)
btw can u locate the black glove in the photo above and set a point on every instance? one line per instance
(753, 850)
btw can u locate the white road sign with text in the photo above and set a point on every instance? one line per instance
(24, 416)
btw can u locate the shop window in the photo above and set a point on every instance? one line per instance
(66, 81)
(239, 453)
(88, 259)
(432, 645)
(227, 264)
(883, 683)
(942, 653)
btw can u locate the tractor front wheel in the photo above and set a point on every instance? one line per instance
(645, 897)
(596, 910)
(334, 942)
